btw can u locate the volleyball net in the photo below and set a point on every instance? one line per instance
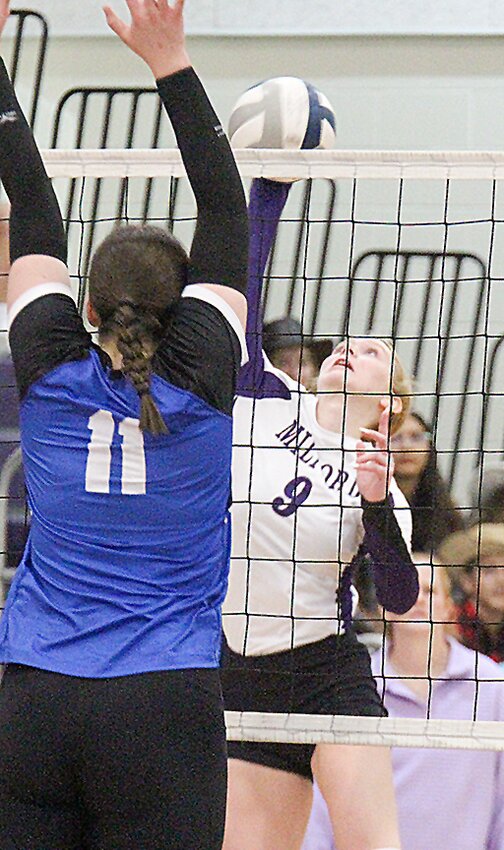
(403, 245)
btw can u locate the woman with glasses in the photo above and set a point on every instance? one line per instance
(433, 510)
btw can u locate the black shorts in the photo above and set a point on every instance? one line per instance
(331, 676)
(112, 764)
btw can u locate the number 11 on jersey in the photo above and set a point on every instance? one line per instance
(99, 458)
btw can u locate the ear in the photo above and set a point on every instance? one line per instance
(92, 316)
(397, 404)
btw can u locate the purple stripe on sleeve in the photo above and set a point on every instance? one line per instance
(267, 200)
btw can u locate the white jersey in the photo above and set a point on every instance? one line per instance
(297, 522)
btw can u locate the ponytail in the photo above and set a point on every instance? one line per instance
(137, 334)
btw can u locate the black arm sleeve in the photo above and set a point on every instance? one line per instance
(219, 251)
(201, 353)
(36, 226)
(394, 573)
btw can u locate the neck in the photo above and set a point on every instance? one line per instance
(343, 416)
(110, 347)
(412, 653)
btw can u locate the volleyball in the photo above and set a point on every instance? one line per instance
(283, 113)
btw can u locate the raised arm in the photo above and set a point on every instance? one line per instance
(219, 250)
(387, 526)
(267, 200)
(37, 236)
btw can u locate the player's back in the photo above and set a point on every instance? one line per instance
(95, 478)
(127, 559)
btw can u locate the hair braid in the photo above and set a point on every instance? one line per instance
(136, 341)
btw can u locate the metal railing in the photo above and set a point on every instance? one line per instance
(25, 20)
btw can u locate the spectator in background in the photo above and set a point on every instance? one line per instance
(475, 560)
(447, 799)
(288, 351)
(487, 491)
(434, 512)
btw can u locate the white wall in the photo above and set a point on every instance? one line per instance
(391, 93)
(387, 92)
(256, 17)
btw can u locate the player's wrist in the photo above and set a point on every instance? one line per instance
(167, 65)
(373, 503)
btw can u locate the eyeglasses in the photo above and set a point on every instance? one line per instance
(419, 438)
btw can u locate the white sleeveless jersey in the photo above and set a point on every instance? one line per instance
(297, 522)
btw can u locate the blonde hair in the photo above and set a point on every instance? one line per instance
(402, 386)
(467, 548)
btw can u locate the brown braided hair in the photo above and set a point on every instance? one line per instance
(137, 274)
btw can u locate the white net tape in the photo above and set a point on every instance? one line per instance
(372, 731)
(273, 164)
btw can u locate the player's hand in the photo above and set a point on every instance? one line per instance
(374, 461)
(155, 33)
(4, 13)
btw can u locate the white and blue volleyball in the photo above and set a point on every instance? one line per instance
(283, 113)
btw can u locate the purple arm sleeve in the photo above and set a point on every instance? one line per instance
(394, 573)
(267, 200)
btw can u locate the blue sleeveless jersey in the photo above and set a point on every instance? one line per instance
(127, 560)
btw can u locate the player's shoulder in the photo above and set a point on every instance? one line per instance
(279, 405)
(274, 386)
(200, 300)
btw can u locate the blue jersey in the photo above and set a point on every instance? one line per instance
(126, 564)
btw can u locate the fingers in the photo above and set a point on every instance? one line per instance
(116, 24)
(152, 6)
(4, 13)
(384, 424)
(376, 437)
(372, 466)
(365, 457)
(176, 10)
(161, 5)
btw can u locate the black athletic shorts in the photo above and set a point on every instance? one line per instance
(331, 676)
(130, 763)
